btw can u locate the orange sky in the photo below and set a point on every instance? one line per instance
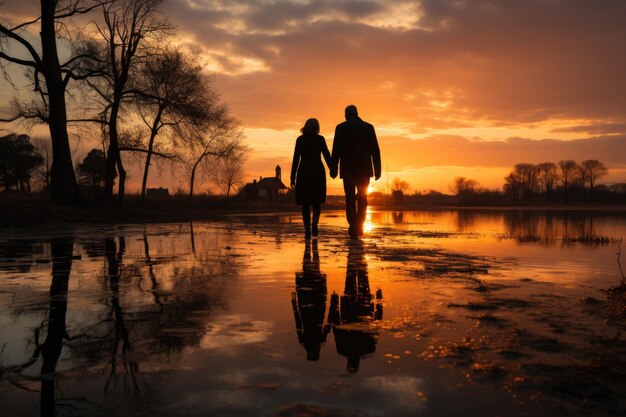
(453, 87)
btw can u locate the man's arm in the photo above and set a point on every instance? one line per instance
(375, 153)
(336, 155)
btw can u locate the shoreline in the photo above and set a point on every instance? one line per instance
(33, 211)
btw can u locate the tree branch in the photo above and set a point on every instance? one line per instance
(131, 149)
(12, 119)
(18, 61)
(87, 120)
(21, 25)
(24, 42)
(73, 9)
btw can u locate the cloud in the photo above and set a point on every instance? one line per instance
(449, 84)
(460, 151)
(595, 129)
(504, 62)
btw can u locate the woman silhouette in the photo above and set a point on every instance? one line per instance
(309, 303)
(308, 174)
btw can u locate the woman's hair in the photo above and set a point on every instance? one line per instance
(311, 126)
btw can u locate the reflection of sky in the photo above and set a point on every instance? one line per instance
(230, 331)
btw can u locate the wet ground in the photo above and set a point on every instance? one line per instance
(437, 313)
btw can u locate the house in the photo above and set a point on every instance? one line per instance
(157, 192)
(269, 188)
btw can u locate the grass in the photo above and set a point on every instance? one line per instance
(35, 210)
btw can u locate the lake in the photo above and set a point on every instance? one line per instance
(432, 313)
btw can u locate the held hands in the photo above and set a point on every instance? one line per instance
(292, 184)
(333, 171)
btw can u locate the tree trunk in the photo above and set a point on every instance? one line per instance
(153, 132)
(193, 176)
(146, 168)
(113, 153)
(63, 186)
(121, 188)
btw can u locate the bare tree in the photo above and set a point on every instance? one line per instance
(130, 29)
(590, 171)
(522, 182)
(220, 138)
(547, 174)
(173, 91)
(568, 175)
(50, 80)
(400, 185)
(229, 172)
(464, 187)
(513, 185)
(530, 179)
(44, 148)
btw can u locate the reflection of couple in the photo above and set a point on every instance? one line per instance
(350, 316)
(356, 156)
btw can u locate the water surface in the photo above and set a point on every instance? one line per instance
(432, 313)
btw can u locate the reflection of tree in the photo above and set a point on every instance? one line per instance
(133, 333)
(309, 303)
(14, 252)
(398, 217)
(121, 345)
(192, 236)
(155, 285)
(352, 315)
(551, 228)
(466, 220)
(50, 349)
(177, 321)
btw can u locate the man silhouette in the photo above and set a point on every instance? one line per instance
(355, 150)
(353, 315)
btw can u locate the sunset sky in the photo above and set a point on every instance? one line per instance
(453, 87)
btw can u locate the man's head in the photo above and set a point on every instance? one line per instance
(351, 112)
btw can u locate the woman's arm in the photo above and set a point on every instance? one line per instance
(297, 154)
(327, 158)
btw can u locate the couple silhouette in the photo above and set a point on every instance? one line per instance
(355, 157)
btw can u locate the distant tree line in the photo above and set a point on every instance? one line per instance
(546, 181)
(143, 95)
(563, 182)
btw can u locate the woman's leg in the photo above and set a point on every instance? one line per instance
(306, 219)
(317, 210)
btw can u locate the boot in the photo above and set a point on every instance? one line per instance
(316, 218)
(306, 220)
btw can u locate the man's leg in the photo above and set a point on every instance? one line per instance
(361, 197)
(349, 190)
